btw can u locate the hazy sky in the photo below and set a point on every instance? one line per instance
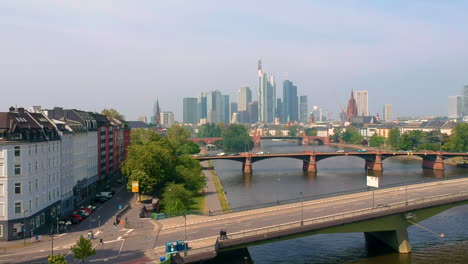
(124, 54)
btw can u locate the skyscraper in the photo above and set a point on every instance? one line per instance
(455, 106)
(167, 119)
(352, 110)
(279, 108)
(465, 100)
(214, 105)
(290, 105)
(225, 116)
(388, 112)
(253, 112)
(244, 97)
(303, 109)
(232, 109)
(266, 96)
(362, 103)
(202, 110)
(190, 110)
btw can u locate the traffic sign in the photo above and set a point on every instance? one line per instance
(373, 181)
(135, 186)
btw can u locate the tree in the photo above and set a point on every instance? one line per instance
(188, 148)
(176, 199)
(145, 183)
(83, 249)
(394, 137)
(189, 173)
(337, 134)
(112, 113)
(311, 131)
(56, 259)
(236, 138)
(376, 141)
(141, 136)
(293, 130)
(210, 130)
(405, 142)
(352, 135)
(177, 136)
(458, 141)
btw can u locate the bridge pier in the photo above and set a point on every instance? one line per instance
(309, 166)
(375, 165)
(437, 164)
(247, 165)
(396, 239)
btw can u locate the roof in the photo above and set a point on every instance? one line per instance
(137, 124)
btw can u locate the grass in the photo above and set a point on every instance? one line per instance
(221, 195)
(198, 203)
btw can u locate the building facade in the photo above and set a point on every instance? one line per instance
(361, 98)
(244, 97)
(167, 119)
(303, 109)
(388, 112)
(290, 102)
(190, 115)
(464, 99)
(225, 112)
(202, 108)
(266, 96)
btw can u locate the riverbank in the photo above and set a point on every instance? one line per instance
(215, 199)
(223, 201)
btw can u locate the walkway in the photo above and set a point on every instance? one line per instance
(211, 196)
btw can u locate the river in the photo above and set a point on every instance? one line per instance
(283, 179)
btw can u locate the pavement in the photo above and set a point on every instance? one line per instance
(211, 196)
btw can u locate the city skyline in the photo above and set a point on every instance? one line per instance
(90, 49)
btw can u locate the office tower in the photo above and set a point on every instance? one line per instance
(167, 119)
(464, 99)
(279, 109)
(352, 110)
(225, 115)
(454, 106)
(303, 109)
(290, 105)
(214, 105)
(266, 96)
(233, 110)
(202, 108)
(253, 112)
(388, 112)
(244, 97)
(361, 98)
(190, 110)
(156, 118)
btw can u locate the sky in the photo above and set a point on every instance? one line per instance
(91, 55)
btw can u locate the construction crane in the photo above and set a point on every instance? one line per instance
(335, 95)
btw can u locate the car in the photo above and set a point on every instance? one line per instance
(81, 213)
(259, 153)
(87, 210)
(340, 151)
(72, 219)
(362, 150)
(107, 195)
(221, 154)
(77, 217)
(233, 154)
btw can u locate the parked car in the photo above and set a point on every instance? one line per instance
(362, 150)
(72, 219)
(340, 151)
(107, 195)
(233, 154)
(87, 210)
(81, 213)
(221, 154)
(77, 217)
(259, 153)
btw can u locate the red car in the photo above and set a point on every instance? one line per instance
(87, 210)
(77, 217)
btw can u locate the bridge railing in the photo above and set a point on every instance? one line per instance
(327, 195)
(342, 216)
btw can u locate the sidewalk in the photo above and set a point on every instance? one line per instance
(211, 196)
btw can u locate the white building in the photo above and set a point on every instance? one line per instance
(167, 119)
(455, 106)
(244, 97)
(30, 160)
(361, 98)
(388, 112)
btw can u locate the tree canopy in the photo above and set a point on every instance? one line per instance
(210, 130)
(83, 249)
(56, 259)
(236, 138)
(352, 135)
(112, 113)
(458, 141)
(311, 131)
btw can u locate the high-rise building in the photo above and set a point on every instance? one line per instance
(202, 108)
(388, 112)
(226, 115)
(214, 106)
(455, 106)
(362, 103)
(253, 112)
(290, 105)
(167, 119)
(190, 114)
(266, 96)
(464, 99)
(233, 110)
(279, 109)
(303, 109)
(352, 110)
(244, 97)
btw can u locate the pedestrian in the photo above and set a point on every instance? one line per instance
(101, 241)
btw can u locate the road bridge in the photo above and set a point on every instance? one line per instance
(373, 159)
(385, 218)
(302, 140)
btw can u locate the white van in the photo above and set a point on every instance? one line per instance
(106, 195)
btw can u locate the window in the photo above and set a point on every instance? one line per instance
(1, 230)
(2, 190)
(2, 209)
(17, 188)
(17, 169)
(37, 202)
(37, 182)
(30, 186)
(18, 208)
(1, 168)
(17, 151)
(30, 205)
(42, 218)
(31, 224)
(58, 209)
(38, 221)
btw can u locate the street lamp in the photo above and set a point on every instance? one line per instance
(302, 208)
(24, 226)
(406, 189)
(185, 235)
(99, 222)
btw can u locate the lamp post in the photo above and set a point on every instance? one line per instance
(24, 226)
(185, 235)
(99, 222)
(52, 245)
(57, 225)
(302, 208)
(406, 189)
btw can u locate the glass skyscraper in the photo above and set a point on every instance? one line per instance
(266, 96)
(190, 110)
(290, 105)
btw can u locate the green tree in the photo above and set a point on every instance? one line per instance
(236, 138)
(141, 136)
(394, 137)
(337, 134)
(56, 259)
(458, 141)
(293, 130)
(376, 141)
(83, 249)
(112, 113)
(188, 148)
(405, 142)
(209, 130)
(176, 199)
(145, 183)
(177, 136)
(189, 173)
(352, 135)
(311, 131)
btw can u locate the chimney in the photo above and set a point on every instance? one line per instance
(21, 110)
(11, 109)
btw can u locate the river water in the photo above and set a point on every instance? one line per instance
(283, 179)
